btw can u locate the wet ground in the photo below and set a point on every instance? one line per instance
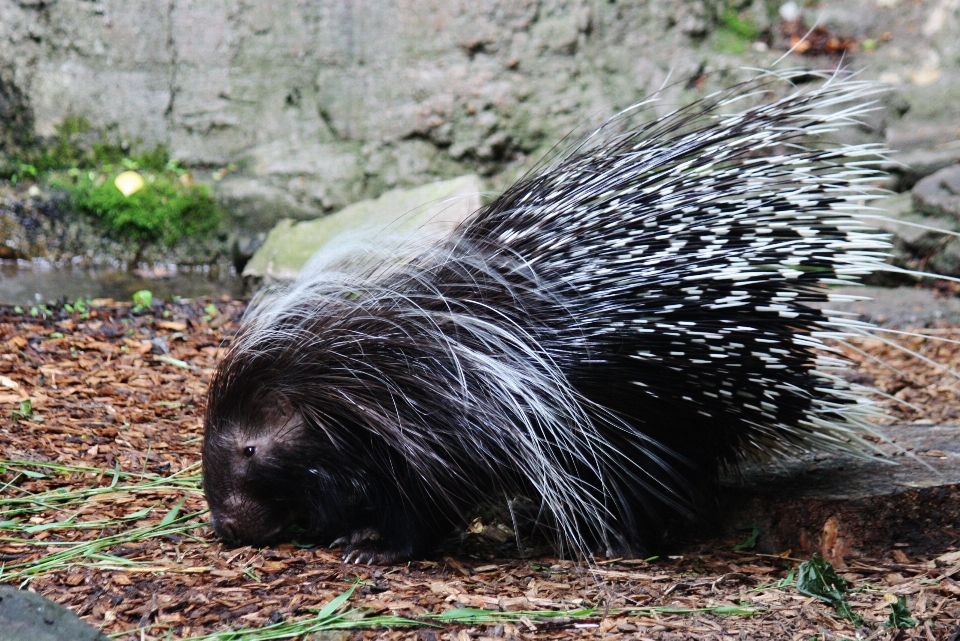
(24, 283)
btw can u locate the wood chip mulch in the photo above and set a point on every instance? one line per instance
(114, 391)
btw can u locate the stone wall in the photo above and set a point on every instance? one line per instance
(321, 103)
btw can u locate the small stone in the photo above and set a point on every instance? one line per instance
(158, 345)
(790, 11)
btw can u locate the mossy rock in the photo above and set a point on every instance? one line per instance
(420, 214)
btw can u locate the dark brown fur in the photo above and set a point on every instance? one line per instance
(602, 340)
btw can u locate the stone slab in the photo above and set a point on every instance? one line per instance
(910, 136)
(917, 241)
(844, 505)
(911, 167)
(423, 213)
(901, 219)
(26, 616)
(255, 205)
(899, 306)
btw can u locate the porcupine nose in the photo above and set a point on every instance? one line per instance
(227, 528)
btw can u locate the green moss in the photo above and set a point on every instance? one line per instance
(165, 210)
(742, 27)
(735, 33)
(85, 161)
(156, 159)
(77, 145)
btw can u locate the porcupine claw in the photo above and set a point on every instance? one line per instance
(366, 547)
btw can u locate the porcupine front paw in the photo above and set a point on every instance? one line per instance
(367, 547)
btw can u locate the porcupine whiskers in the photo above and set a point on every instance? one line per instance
(605, 338)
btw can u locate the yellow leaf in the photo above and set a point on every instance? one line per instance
(129, 183)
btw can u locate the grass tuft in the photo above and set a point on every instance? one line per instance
(25, 516)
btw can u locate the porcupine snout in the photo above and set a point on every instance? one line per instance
(252, 476)
(248, 509)
(225, 526)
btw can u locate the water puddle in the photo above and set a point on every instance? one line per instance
(26, 283)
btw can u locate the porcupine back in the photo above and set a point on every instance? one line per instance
(603, 338)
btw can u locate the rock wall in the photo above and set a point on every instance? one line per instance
(321, 103)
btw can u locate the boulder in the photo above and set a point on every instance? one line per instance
(917, 240)
(939, 194)
(921, 149)
(913, 166)
(900, 220)
(25, 615)
(420, 214)
(255, 204)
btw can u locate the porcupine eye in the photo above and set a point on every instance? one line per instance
(249, 451)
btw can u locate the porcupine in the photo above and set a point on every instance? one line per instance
(604, 338)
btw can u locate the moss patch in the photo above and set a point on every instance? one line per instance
(735, 32)
(167, 208)
(84, 162)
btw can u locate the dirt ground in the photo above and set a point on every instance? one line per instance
(101, 512)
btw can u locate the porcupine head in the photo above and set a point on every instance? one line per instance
(250, 455)
(265, 475)
(272, 471)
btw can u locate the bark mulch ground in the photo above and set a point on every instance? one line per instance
(102, 512)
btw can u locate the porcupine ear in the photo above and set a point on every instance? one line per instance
(277, 407)
(245, 396)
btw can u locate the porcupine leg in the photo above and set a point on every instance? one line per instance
(392, 532)
(653, 491)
